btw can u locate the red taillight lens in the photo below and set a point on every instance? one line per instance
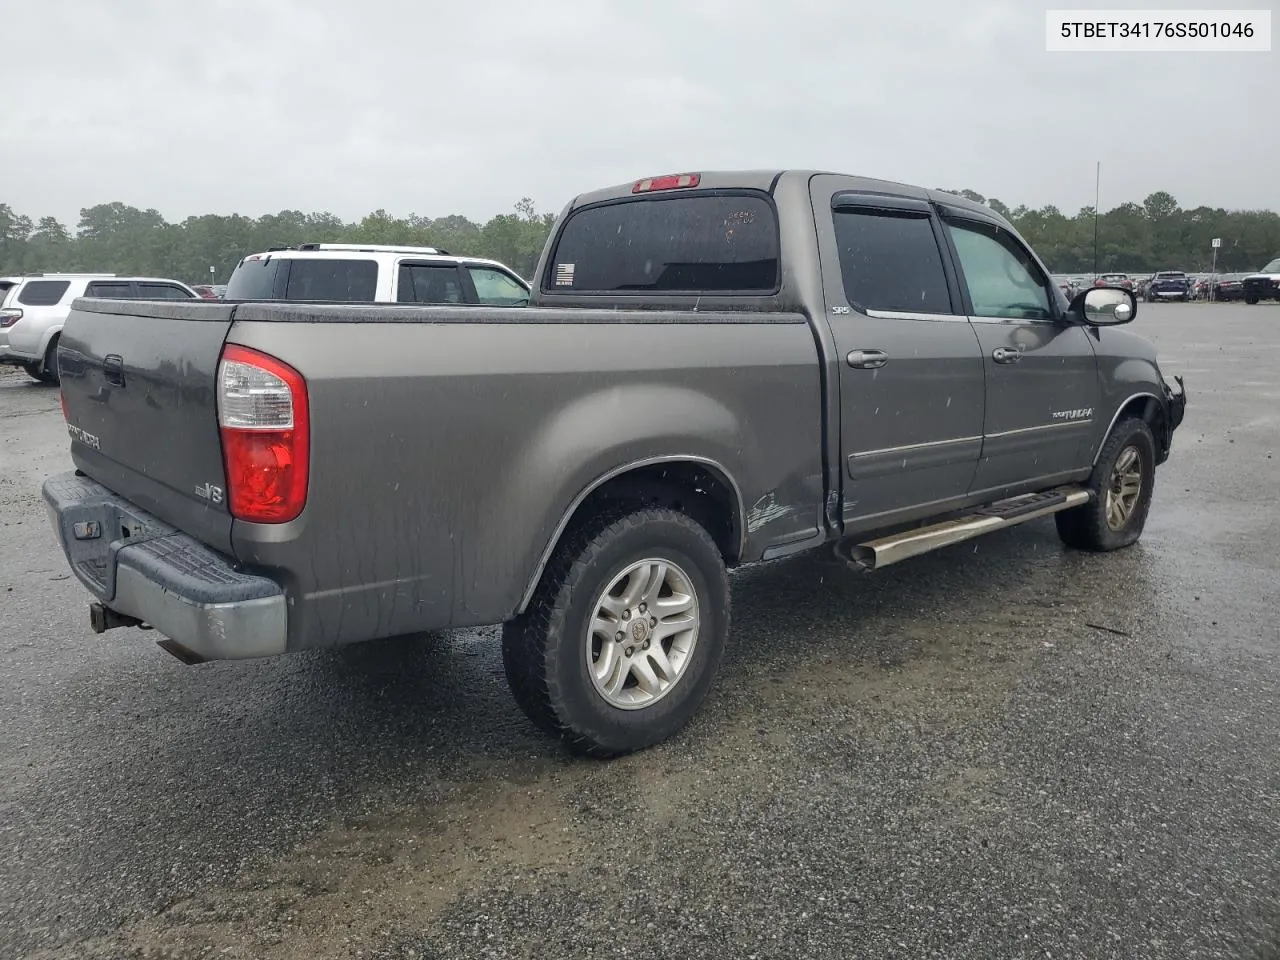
(62, 398)
(263, 416)
(674, 181)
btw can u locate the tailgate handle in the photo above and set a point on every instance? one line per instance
(113, 369)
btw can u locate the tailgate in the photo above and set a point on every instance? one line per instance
(139, 390)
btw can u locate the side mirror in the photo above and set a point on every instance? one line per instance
(1105, 306)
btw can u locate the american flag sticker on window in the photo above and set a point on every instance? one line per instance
(564, 274)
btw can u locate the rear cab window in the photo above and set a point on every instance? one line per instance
(43, 293)
(723, 242)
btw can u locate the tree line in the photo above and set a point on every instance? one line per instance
(117, 238)
(1153, 235)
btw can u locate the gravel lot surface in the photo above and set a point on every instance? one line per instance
(999, 750)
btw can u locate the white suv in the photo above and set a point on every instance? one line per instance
(374, 273)
(33, 309)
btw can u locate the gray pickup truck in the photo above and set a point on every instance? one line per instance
(715, 369)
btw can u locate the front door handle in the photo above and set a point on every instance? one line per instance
(867, 359)
(1006, 355)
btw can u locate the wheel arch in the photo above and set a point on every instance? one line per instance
(1144, 406)
(47, 337)
(696, 485)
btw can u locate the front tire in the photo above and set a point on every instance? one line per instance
(624, 635)
(1122, 483)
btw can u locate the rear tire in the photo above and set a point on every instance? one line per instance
(1122, 483)
(35, 371)
(567, 669)
(1251, 300)
(49, 372)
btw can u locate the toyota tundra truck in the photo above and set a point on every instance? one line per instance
(715, 369)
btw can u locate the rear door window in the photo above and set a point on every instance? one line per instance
(43, 293)
(700, 243)
(496, 288)
(162, 291)
(429, 283)
(109, 290)
(348, 281)
(890, 260)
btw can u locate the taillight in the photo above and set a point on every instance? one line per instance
(674, 181)
(263, 417)
(9, 316)
(62, 398)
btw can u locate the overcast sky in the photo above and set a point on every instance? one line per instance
(435, 108)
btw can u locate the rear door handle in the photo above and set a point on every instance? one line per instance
(1006, 355)
(867, 359)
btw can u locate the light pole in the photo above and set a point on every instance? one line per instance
(1213, 271)
(1097, 194)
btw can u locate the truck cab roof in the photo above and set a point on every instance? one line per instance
(767, 180)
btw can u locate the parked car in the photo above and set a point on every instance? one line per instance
(1169, 285)
(715, 369)
(369, 273)
(33, 309)
(1229, 286)
(1263, 285)
(1114, 280)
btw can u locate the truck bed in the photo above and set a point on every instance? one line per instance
(448, 445)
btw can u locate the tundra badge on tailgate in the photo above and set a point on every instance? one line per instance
(84, 436)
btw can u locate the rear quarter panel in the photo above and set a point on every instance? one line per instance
(447, 445)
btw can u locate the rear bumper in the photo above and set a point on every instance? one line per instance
(1168, 294)
(9, 353)
(137, 566)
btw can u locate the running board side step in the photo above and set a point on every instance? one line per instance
(875, 554)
